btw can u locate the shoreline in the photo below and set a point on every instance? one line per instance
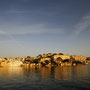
(46, 60)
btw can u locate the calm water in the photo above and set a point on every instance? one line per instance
(45, 78)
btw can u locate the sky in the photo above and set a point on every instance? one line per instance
(33, 27)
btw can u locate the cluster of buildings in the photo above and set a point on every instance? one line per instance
(45, 60)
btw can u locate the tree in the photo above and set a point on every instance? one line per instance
(28, 56)
(66, 60)
(61, 54)
(46, 61)
(36, 61)
(40, 56)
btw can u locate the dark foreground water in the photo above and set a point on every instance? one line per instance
(45, 78)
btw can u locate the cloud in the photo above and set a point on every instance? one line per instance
(28, 29)
(9, 30)
(11, 41)
(2, 32)
(18, 12)
(82, 25)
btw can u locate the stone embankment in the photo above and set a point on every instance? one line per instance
(46, 60)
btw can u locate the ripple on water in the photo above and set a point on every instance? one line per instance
(45, 78)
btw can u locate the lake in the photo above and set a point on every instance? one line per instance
(45, 78)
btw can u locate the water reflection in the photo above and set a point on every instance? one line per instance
(46, 72)
(63, 73)
(80, 72)
(60, 73)
(10, 71)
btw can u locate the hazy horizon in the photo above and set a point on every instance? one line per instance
(32, 27)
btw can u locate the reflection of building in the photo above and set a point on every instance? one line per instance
(63, 73)
(67, 73)
(45, 72)
(3, 71)
(15, 70)
(80, 71)
(10, 71)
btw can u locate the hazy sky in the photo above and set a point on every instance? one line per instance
(32, 27)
